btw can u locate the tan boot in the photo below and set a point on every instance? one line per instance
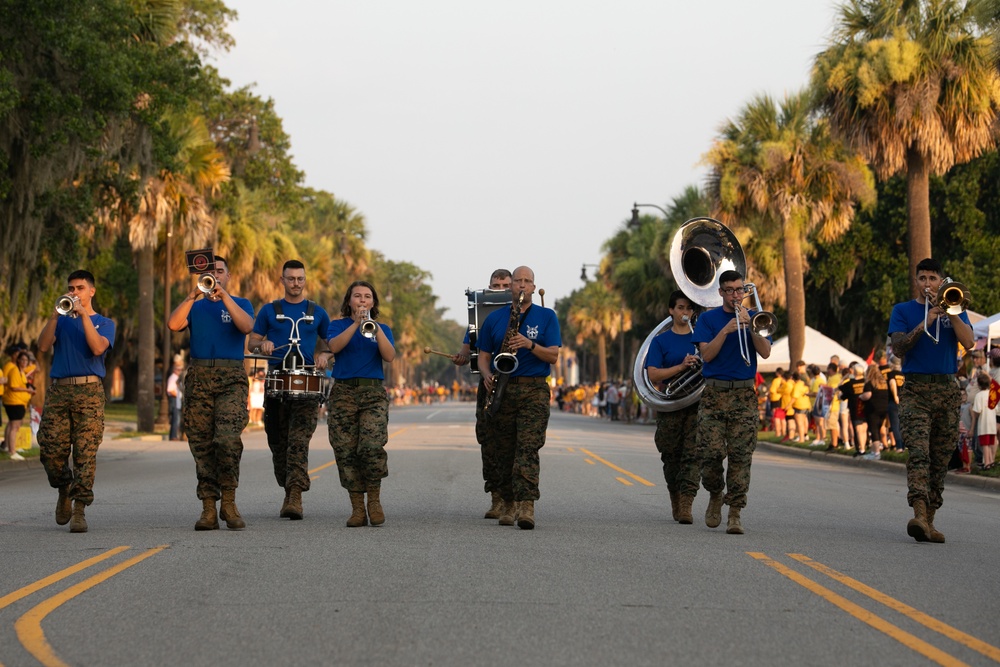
(495, 502)
(733, 526)
(293, 509)
(933, 533)
(507, 509)
(375, 513)
(78, 522)
(917, 526)
(64, 506)
(713, 515)
(283, 513)
(526, 515)
(683, 514)
(229, 512)
(358, 517)
(675, 500)
(209, 519)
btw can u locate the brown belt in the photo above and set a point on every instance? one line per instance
(524, 379)
(728, 384)
(227, 363)
(77, 379)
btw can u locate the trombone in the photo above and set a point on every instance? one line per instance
(953, 298)
(762, 323)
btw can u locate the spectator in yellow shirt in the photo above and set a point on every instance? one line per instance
(16, 397)
(777, 408)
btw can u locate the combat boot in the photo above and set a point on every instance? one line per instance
(64, 506)
(283, 513)
(683, 514)
(209, 519)
(675, 499)
(293, 508)
(495, 502)
(78, 522)
(228, 511)
(507, 509)
(713, 515)
(933, 533)
(733, 526)
(526, 514)
(917, 526)
(375, 513)
(358, 516)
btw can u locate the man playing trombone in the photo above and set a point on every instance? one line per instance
(930, 399)
(730, 338)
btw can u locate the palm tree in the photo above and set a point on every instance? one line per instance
(777, 169)
(913, 86)
(598, 313)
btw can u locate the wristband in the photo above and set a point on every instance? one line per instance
(532, 346)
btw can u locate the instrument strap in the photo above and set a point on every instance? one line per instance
(310, 307)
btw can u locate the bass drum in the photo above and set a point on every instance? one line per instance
(701, 250)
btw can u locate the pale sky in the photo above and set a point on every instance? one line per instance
(477, 135)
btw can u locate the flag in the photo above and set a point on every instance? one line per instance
(994, 394)
(871, 357)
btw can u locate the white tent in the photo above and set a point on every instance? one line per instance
(818, 350)
(987, 328)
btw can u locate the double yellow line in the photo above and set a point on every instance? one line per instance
(29, 626)
(631, 475)
(907, 639)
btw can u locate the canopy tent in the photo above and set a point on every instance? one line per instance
(988, 328)
(818, 350)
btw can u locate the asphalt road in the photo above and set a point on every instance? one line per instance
(825, 574)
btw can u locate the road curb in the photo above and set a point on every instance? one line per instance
(974, 481)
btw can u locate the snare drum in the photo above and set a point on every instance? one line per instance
(297, 384)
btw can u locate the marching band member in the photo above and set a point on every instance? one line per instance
(290, 422)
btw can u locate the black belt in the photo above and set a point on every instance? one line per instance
(360, 382)
(935, 378)
(225, 363)
(524, 379)
(729, 384)
(77, 379)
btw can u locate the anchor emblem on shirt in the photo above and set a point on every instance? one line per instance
(226, 317)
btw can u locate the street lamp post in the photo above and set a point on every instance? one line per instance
(635, 212)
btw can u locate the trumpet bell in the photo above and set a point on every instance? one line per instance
(700, 251)
(368, 328)
(65, 305)
(206, 283)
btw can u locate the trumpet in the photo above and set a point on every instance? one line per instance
(65, 305)
(762, 324)
(206, 283)
(368, 325)
(953, 298)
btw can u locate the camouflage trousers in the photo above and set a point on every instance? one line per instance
(928, 416)
(289, 424)
(215, 414)
(676, 439)
(487, 443)
(72, 424)
(727, 428)
(519, 432)
(358, 424)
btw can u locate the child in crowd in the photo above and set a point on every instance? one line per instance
(986, 422)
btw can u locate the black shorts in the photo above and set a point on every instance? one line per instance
(15, 412)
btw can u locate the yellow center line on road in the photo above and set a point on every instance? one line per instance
(955, 634)
(903, 637)
(624, 481)
(11, 598)
(616, 468)
(590, 462)
(402, 430)
(325, 465)
(29, 626)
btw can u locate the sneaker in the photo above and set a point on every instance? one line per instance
(16, 457)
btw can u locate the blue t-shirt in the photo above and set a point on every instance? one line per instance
(728, 364)
(669, 349)
(926, 356)
(360, 358)
(539, 325)
(71, 356)
(213, 334)
(278, 332)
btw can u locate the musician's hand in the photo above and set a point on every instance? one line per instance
(517, 342)
(934, 313)
(459, 359)
(690, 361)
(322, 361)
(487, 380)
(730, 326)
(266, 347)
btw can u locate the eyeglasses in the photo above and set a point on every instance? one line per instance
(294, 280)
(729, 291)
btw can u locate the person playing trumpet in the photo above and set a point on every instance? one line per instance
(727, 414)
(216, 390)
(930, 399)
(73, 415)
(671, 354)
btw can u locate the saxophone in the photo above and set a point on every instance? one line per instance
(505, 362)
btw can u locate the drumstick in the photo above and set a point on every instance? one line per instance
(541, 295)
(428, 350)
